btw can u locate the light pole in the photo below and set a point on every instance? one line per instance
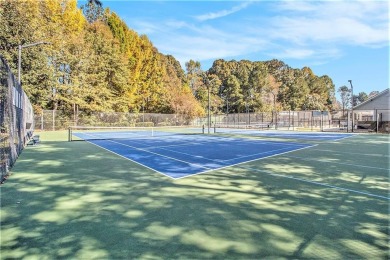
(20, 47)
(249, 105)
(350, 82)
(208, 112)
(208, 109)
(274, 112)
(227, 109)
(274, 107)
(225, 96)
(145, 101)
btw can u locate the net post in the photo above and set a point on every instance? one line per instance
(202, 129)
(69, 134)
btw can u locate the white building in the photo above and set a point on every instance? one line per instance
(376, 106)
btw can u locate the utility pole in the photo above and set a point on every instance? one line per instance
(208, 82)
(274, 112)
(350, 82)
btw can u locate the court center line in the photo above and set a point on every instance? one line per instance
(222, 161)
(140, 149)
(207, 169)
(317, 183)
(163, 146)
(272, 174)
(219, 161)
(237, 164)
(96, 135)
(266, 153)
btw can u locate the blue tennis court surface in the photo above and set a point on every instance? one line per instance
(317, 136)
(181, 156)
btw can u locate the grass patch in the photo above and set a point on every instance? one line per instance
(74, 200)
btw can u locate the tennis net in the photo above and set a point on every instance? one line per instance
(239, 129)
(85, 133)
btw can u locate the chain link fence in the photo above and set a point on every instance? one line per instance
(336, 121)
(286, 120)
(16, 119)
(339, 121)
(57, 120)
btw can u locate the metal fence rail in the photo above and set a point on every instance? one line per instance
(365, 121)
(338, 121)
(58, 120)
(16, 119)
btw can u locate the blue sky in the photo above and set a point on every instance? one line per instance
(342, 39)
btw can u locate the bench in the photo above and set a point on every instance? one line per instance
(34, 140)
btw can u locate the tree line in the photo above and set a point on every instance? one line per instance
(95, 62)
(239, 86)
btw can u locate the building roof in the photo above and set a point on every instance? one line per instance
(380, 101)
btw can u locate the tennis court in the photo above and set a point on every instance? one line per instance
(181, 155)
(323, 199)
(315, 136)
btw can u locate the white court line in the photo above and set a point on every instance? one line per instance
(232, 165)
(332, 162)
(177, 145)
(265, 153)
(147, 151)
(367, 141)
(240, 157)
(187, 175)
(150, 168)
(248, 168)
(212, 160)
(221, 161)
(361, 154)
(304, 135)
(163, 146)
(218, 138)
(318, 183)
(108, 150)
(150, 153)
(252, 169)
